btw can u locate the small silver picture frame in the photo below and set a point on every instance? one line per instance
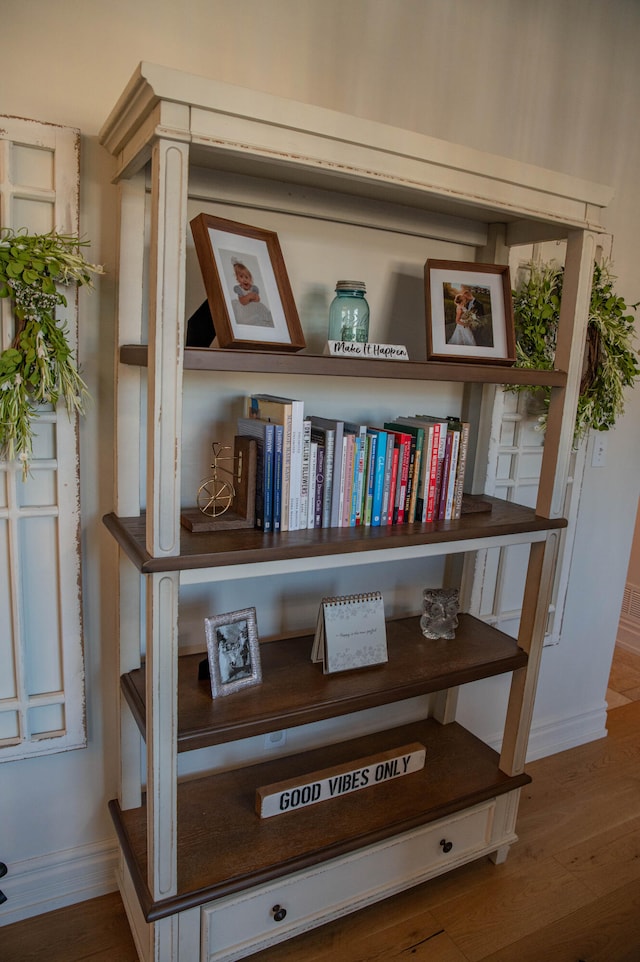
(233, 651)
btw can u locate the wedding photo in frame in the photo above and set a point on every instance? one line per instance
(233, 651)
(469, 312)
(248, 291)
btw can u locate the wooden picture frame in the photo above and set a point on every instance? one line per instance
(469, 310)
(233, 651)
(248, 291)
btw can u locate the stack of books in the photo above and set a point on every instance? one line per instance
(317, 472)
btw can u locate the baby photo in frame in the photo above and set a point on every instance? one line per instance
(469, 311)
(249, 297)
(233, 651)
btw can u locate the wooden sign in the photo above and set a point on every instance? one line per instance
(378, 352)
(339, 780)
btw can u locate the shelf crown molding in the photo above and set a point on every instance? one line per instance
(231, 127)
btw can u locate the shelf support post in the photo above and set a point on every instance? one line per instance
(572, 332)
(572, 329)
(162, 737)
(169, 170)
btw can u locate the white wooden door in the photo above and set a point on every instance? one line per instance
(513, 473)
(42, 706)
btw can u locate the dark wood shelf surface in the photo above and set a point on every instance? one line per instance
(224, 847)
(294, 691)
(249, 545)
(280, 362)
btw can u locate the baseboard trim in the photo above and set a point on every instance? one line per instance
(628, 636)
(563, 734)
(37, 885)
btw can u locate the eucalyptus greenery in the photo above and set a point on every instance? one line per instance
(39, 366)
(610, 364)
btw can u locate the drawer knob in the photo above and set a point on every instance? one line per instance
(445, 845)
(278, 913)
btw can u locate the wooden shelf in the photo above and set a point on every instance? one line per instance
(294, 691)
(279, 363)
(224, 847)
(221, 548)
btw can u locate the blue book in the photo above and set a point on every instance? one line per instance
(359, 470)
(371, 468)
(278, 456)
(378, 465)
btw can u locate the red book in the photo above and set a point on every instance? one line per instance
(404, 459)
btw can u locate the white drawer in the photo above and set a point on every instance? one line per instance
(241, 924)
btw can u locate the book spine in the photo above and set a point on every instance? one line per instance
(269, 432)
(313, 470)
(295, 473)
(444, 478)
(386, 488)
(343, 479)
(371, 470)
(427, 453)
(318, 513)
(357, 453)
(453, 467)
(337, 488)
(329, 446)
(410, 477)
(278, 458)
(393, 483)
(433, 474)
(462, 464)
(305, 474)
(403, 476)
(286, 470)
(378, 479)
(417, 479)
(350, 447)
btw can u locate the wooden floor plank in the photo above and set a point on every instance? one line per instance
(606, 930)
(488, 919)
(608, 862)
(625, 672)
(95, 930)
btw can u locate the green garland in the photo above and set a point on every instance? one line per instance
(39, 366)
(611, 363)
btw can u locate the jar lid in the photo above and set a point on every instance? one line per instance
(351, 286)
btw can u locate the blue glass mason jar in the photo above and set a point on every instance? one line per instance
(349, 313)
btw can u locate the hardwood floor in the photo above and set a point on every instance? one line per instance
(568, 892)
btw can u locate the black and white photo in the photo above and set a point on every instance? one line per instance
(233, 651)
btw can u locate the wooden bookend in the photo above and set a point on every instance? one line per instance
(242, 511)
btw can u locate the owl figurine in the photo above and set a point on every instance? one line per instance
(440, 612)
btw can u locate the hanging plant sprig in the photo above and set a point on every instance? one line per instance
(39, 366)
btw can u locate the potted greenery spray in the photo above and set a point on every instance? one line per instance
(39, 366)
(610, 362)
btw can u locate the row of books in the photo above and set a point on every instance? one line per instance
(317, 472)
